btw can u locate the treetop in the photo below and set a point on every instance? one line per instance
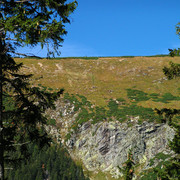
(29, 22)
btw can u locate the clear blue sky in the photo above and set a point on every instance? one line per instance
(120, 27)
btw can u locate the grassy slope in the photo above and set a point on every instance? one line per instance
(105, 78)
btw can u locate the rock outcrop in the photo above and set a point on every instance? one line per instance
(104, 146)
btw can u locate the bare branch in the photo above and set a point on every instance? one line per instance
(22, 1)
(20, 144)
(2, 29)
(9, 39)
(27, 55)
(8, 168)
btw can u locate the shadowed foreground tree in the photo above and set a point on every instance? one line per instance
(26, 22)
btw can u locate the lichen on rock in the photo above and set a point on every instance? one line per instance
(104, 146)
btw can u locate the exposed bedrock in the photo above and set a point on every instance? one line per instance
(104, 146)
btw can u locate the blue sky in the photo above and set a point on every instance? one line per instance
(120, 28)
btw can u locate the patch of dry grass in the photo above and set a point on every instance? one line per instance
(105, 78)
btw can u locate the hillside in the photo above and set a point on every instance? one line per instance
(124, 91)
(100, 79)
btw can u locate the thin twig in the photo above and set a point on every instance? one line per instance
(20, 144)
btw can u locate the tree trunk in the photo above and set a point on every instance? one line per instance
(1, 117)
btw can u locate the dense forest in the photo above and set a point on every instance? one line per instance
(48, 162)
(51, 162)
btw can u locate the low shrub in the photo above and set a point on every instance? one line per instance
(137, 95)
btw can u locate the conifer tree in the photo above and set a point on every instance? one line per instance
(26, 22)
(128, 167)
(172, 169)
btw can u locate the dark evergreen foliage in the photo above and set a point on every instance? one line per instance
(171, 170)
(24, 22)
(128, 167)
(166, 115)
(23, 120)
(51, 162)
(32, 22)
(174, 52)
(173, 71)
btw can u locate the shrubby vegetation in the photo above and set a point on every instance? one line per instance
(118, 109)
(159, 156)
(168, 167)
(167, 170)
(138, 96)
(173, 71)
(171, 169)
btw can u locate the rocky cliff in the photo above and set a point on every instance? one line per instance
(104, 146)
